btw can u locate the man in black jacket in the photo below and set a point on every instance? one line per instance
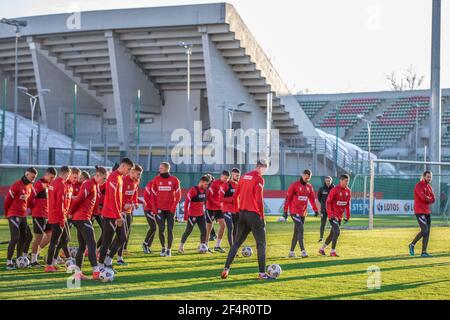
(322, 196)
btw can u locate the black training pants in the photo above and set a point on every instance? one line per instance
(161, 219)
(424, 221)
(334, 232)
(250, 222)
(201, 222)
(231, 221)
(86, 238)
(299, 231)
(151, 220)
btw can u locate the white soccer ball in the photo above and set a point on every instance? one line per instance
(202, 248)
(22, 262)
(73, 251)
(274, 270)
(107, 275)
(247, 251)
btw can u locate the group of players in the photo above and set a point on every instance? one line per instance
(71, 198)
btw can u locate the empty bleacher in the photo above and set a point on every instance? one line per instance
(395, 123)
(348, 112)
(311, 108)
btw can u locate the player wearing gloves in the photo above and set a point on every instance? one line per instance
(194, 211)
(296, 202)
(338, 202)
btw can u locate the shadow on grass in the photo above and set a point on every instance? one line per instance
(384, 289)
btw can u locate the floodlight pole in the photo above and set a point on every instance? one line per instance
(269, 123)
(435, 127)
(5, 101)
(371, 195)
(337, 143)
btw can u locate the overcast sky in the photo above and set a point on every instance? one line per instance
(324, 46)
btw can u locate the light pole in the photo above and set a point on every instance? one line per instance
(74, 124)
(188, 47)
(417, 132)
(5, 102)
(337, 143)
(33, 101)
(17, 24)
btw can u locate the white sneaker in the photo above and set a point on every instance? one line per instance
(304, 254)
(181, 250)
(163, 252)
(291, 254)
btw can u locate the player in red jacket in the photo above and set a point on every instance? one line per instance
(249, 195)
(38, 205)
(97, 214)
(129, 203)
(214, 206)
(230, 207)
(112, 214)
(194, 212)
(423, 198)
(151, 219)
(15, 207)
(338, 202)
(166, 194)
(59, 191)
(80, 213)
(298, 195)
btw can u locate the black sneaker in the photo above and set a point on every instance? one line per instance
(11, 266)
(35, 265)
(219, 249)
(146, 249)
(320, 240)
(120, 262)
(265, 276)
(210, 251)
(162, 253)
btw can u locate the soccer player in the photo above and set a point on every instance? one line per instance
(423, 198)
(15, 207)
(322, 196)
(338, 201)
(166, 195)
(112, 214)
(97, 214)
(59, 191)
(151, 219)
(230, 207)
(84, 176)
(38, 204)
(194, 211)
(73, 187)
(130, 202)
(249, 195)
(80, 213)
(298, 195)
(214, 205)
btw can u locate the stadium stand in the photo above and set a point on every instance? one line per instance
(311, 108)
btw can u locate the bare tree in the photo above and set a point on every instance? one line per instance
(409, 81)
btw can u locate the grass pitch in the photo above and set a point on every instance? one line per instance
(195, 276)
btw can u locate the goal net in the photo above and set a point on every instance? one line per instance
(383, 191)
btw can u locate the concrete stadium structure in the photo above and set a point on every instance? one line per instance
(110, 55)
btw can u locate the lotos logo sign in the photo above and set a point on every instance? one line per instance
(387, 207)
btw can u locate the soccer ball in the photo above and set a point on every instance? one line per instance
(281, 219)
(202, 248)
(22, 262)
(106, 275)
(70, 265)
(247, 251)
(274, 270)
(73, 251)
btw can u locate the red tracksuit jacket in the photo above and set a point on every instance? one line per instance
(83, 205)
(58, 193)
(194, 204)
(338, 201)
(130, 193)
(423, 198)
(100, 199)
(38, 200)
(297, 198)
(76, 188)
(166, 193)
(16, 199)
(249, 193)
(229, 203)
(214, 195)
(112, 206)
(148, 197)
